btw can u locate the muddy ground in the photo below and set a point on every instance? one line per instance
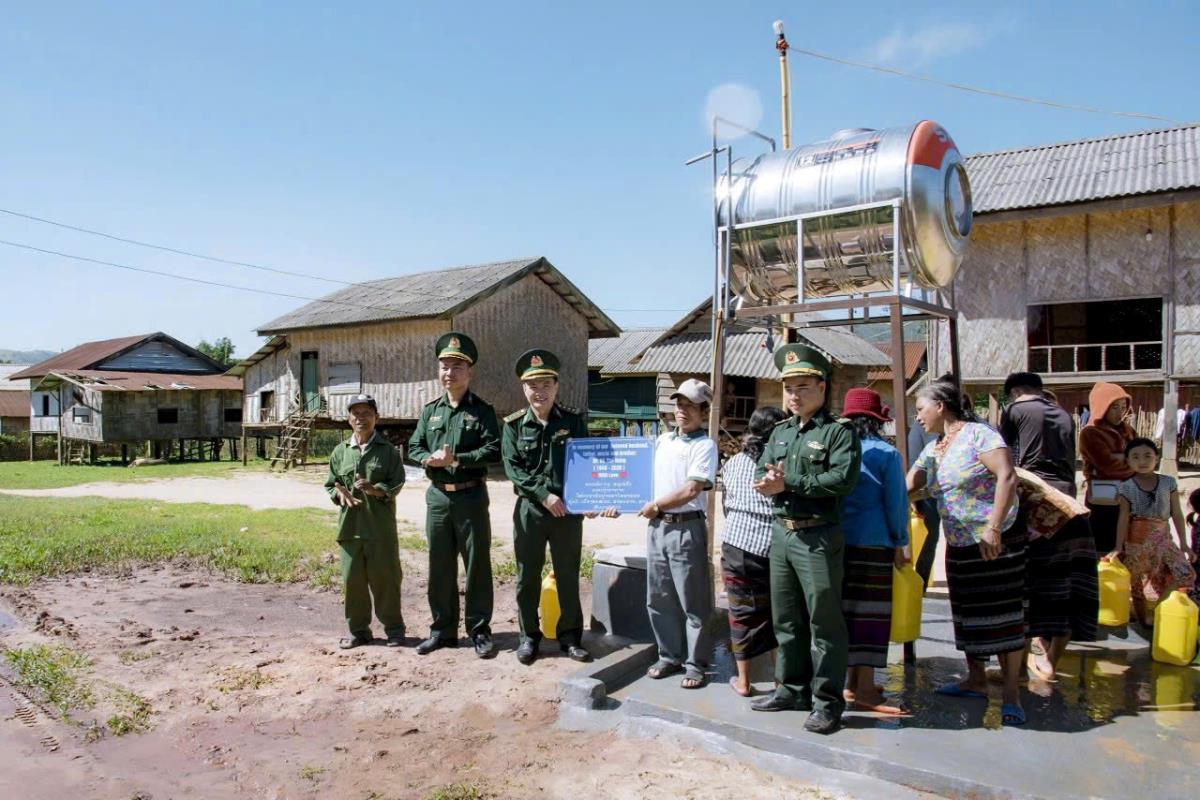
(251, 699)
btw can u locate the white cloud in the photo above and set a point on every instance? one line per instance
(734, 102)
(919, 47)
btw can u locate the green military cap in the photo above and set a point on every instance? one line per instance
(794, 360)
(456, 345)
(537, 364)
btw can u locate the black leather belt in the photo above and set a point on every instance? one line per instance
(457, 487)
(675, 519)
(801, 524)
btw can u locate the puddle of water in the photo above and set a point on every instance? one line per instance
(7, 622)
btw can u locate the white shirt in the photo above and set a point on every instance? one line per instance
(362, 448)
(682, 458)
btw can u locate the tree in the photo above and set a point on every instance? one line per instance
(221, 350)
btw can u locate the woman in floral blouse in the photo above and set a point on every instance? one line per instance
(969, 472)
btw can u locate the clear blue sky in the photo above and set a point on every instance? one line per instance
(389, 139)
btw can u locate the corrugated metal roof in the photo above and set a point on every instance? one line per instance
(613, 356)
(14, 404)
(272, 344)
(437, 293)
(83, 356)
(913, 353)
(746, 354)
(112, 381)
(1087, 169)
(6, 372)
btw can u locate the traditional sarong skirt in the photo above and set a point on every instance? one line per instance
(1156, 565)
(988, 599)
(1064, 593)
(748, 591)
(867, 603)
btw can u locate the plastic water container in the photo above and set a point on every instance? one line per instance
(1175, 621)
(1114, 592)
(550, 608)
(907, 589)
(917, 534)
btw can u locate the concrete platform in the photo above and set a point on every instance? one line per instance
(1116, 724)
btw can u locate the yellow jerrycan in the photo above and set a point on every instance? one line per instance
(917, 534)
(1114, 592)
(1175, 620)
(550, 608)
(907, 589)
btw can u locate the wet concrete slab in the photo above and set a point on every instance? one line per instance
(1117, 724)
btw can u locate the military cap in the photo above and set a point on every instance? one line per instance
(794, 360)
(456, 345)
(537, 364)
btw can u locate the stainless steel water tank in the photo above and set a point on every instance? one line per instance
(851, 251)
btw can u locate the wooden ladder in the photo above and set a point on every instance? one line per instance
(76, 452)
(294, 433)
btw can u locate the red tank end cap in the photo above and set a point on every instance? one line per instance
(929, 145)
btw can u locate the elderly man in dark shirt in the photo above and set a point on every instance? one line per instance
(1063, 590)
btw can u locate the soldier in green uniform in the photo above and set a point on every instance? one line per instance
(809, 465)
(534, 451)
(456, 438)
(365, 473)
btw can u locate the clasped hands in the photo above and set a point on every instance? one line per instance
(346, 498)
(772, 483)
(440, 458)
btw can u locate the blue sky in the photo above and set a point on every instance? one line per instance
(393, 138)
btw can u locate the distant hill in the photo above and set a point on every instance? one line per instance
(25, 356)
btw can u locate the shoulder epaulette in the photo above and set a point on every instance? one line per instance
(783, 421)
(569, 410)
(432, 402)
(844, 421)
(516, 415)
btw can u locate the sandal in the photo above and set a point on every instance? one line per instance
(956, 690)
(733, 684)
(692, 681)
(891, 711)
(1011, 714)
(350, 642)
(662, 669)
(1038, 672)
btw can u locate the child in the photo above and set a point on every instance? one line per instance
(1193, 521)
(1149, 503)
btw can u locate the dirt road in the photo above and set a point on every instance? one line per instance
(251, 699)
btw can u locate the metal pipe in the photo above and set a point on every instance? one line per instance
(781, 45)
(750, 131)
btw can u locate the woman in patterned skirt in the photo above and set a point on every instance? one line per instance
(969, 471)
(744, 546)
(875, 527)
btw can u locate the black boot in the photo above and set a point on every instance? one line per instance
(527, 651)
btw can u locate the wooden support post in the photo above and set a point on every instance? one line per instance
(245, 456)
(124, 454)
(1170, 458)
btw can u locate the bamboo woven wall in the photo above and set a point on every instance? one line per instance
(517, 318)
(133, 416)
(1097, 256)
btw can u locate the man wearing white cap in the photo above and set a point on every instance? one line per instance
(678, 589)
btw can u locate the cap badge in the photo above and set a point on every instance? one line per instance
(535, 361)
(454, 343)
(791, 358)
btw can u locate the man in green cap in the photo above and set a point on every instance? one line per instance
(456, 438)
(534, 450)
(810, 463)
(365, 473)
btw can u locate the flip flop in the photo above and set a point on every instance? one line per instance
(692, 681)
(1011, 714)
(1038, 672)
(662, 669)
(955, 690)
(997, 676)
(733, 685)
(891, 711)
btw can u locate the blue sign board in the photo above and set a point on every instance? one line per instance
(607, 473)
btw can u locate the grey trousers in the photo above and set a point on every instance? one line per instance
(679, 592)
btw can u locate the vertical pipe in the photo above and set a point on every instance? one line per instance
(899, 407)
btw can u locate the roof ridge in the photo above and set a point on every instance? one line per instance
(522, 261)
(1089, 140)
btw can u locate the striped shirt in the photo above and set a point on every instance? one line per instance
(747, 513)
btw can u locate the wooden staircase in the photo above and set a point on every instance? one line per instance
(292, 448)
(76, 451)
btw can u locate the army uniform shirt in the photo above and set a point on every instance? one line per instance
(471, 431)
(821, 464)
(535, 455)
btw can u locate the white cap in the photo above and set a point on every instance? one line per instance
(694, 390)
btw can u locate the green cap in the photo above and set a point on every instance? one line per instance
(456, 345)
(793, 360)
(537, 364)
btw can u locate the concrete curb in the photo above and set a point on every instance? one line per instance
(825, 752)
(588, 688)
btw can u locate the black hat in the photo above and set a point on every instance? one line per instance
(362, 400)
(537, 364)
(456, 345)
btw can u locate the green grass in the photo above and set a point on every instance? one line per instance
(133, 713)
(55, 675)
(49, 475)
(311, 772)
(459, 791)
(45, 537)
